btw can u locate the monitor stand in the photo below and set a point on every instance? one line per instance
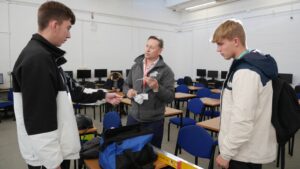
(100, 81)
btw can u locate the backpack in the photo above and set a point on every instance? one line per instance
(127, 148)
(285, 111)
(285, 107)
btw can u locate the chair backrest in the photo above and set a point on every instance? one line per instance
(199, 85)
(195, 106)
(204, 92)
(196, 141)
(188, 80)
(180, 81)
(111, 120)
(182, 88)
(215, 95)
(10, 95)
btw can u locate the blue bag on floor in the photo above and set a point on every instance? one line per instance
(127, 148)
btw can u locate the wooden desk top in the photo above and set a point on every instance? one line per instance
(210, 102)
(215, 90)
(126, 101)
(172, 112)
(89, 131)
(179, 95)
(194, 88)
(211, 124)
(94, 164)
(168, 112)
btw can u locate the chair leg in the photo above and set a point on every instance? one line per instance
(176, 149)
(278, 155)
(196, 160)
(169, 131)
(282, 157)
(291, 145)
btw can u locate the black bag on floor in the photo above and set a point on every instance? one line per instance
(127, 148)
(90, 149)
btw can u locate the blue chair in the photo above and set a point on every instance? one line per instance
(204, 92)
(182, 89)
(180, 81)
(215, 96)
(111, 120)
(199, 85)
(7, 104)
(195, 106)
(196, 141)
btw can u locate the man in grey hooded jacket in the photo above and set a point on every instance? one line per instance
(150, 86)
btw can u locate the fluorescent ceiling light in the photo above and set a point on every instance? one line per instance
(200, 6)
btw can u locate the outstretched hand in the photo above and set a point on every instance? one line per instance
(113, 98)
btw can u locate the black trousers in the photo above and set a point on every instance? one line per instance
(64, 165)
(242, 165)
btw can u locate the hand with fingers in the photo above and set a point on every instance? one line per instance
(113, 98)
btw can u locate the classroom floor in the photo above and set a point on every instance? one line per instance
(10, 157)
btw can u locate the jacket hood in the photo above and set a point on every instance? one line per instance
(265, 63)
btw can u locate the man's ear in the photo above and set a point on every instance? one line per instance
(236, 41)
(53, 24)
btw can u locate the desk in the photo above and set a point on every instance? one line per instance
(97, 103)
(210, 102)
(215, 90)
(88, 131)
(168, 112)
(182, 97)
(179, 95)
(194, 88)
(94, 164)
(211, 124)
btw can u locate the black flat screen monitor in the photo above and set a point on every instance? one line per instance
(100, 73)
(223, 74)
(288, 77)
(127, 72)
(70, 73)
(83, 73)
(119, 71)
(1, 78)
(212, 74)
(201, 72)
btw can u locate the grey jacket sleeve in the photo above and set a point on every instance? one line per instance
(166, 90)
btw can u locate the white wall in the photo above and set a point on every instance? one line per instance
(268, 28)
(111, 39)
(119, 29)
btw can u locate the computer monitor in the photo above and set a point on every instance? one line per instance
(127, 72)
(201, 72)
(99, 73)
(119, 71)
(288, 77)
(212, 74)
(83, 74)
(70, 73)
(1, 78)
(223, 74)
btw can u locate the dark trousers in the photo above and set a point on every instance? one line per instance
(64, 165)
(242, 165)
(157, 128)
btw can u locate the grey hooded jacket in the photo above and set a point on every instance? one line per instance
(152, 109)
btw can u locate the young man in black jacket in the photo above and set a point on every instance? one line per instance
(46, 126)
